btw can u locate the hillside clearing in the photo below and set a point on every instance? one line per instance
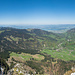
(25, 56)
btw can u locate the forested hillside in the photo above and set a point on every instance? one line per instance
(41, 51)
(22, 40)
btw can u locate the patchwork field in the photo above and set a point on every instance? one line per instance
(65, 55)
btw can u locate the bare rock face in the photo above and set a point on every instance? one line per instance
(71, 72)
(20, 69)
(2, 70)
(73, 69)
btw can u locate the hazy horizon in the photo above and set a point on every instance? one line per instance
(33, 24)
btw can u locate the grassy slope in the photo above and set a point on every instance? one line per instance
(63, 54)
(25, 56)
(44, 40)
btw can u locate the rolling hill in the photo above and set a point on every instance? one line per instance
(22, 40)
(36, 47)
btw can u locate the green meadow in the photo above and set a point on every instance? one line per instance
(65, 55)
(25, 56)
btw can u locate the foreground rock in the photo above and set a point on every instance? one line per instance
(71, 72)
(21, 69)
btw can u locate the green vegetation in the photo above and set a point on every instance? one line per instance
(24, 39)
(62, 54)
(30, 39)
(8, 38)
(15, 38)
(38, 57)
(25, 56)
(38, 49)
(40, 40)
(14, 54)
(1, 31)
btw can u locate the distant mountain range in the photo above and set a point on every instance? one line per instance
(60, 28)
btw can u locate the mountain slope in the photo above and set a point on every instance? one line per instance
(22, 40)
(71, 34)
(34, 48)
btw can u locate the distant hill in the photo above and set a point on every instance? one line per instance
(71, 34)
(40, 32)
(23, 40)
(60, 28)
(71, 30)
(33, 40)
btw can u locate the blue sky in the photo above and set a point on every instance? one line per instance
(37, 12)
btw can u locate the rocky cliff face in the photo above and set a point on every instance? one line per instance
(71, 72)
(21, 69)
